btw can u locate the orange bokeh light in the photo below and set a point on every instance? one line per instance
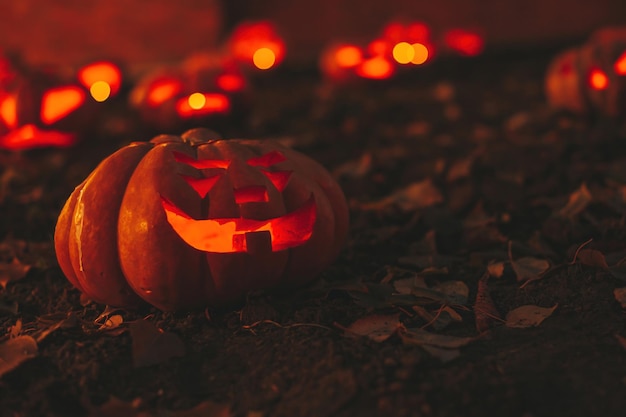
(420, 53)
(100, 91)
(464, 42)
(231, 82)
(57, 103)
(8, 111)
(348, 56)
(103, 71)
(162, 90)
(264, 58)
(598, 79)
(377, 68)
(196, 101)
(194, 105)
(250, 37)
(403, 52)
(620, 64)
(29, 136)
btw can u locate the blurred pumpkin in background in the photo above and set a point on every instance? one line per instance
(39, 107)
(201, 90)
(591, 78)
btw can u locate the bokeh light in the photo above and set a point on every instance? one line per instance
(620, 64)
(377, 68)
(348, 56)
(420, 53)
(598, 79)
(100, 91)
(264, 58)
(403, 52)
(196, 101)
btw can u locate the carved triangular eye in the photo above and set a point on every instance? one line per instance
(278, 178)
(620, 64)
(8, 111)
(57, 103)
(202, 186)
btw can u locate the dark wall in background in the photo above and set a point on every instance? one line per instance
(134, 31)
(146, 31)
(311, 24)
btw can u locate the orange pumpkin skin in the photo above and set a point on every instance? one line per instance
(118, 238)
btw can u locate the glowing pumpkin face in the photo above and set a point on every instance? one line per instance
(185, 222)
(229, 235)
(40, 110)
(201, 90)
(591, 78)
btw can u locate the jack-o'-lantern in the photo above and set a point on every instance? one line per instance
(591, 78)
(39, 108)
(203, 89)
(188, 221)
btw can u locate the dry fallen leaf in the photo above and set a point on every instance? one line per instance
(415, 196)
(152, 345)
(591, 257)
(528, 316)
(441, 346)
(528, 268)
(577, 203)
(455, 292)
(15, 351)
(620, 296)
(376, 327)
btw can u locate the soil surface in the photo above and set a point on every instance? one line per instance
(469, 198)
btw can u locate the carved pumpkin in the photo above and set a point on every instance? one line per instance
(591, 78)
(184, 222)
(39, 108)
(203, 89)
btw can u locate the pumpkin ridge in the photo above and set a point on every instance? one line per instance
(102, 280)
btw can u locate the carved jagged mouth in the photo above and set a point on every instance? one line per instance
(229, 235)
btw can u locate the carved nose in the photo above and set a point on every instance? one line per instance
(251, 194)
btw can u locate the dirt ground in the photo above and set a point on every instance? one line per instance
(469, 198)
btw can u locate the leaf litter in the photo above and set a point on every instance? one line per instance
(528, 316)
(152, 345)
(15, 351)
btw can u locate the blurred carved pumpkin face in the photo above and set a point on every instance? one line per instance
(40, 110)
(199, 91)
(30, 118)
